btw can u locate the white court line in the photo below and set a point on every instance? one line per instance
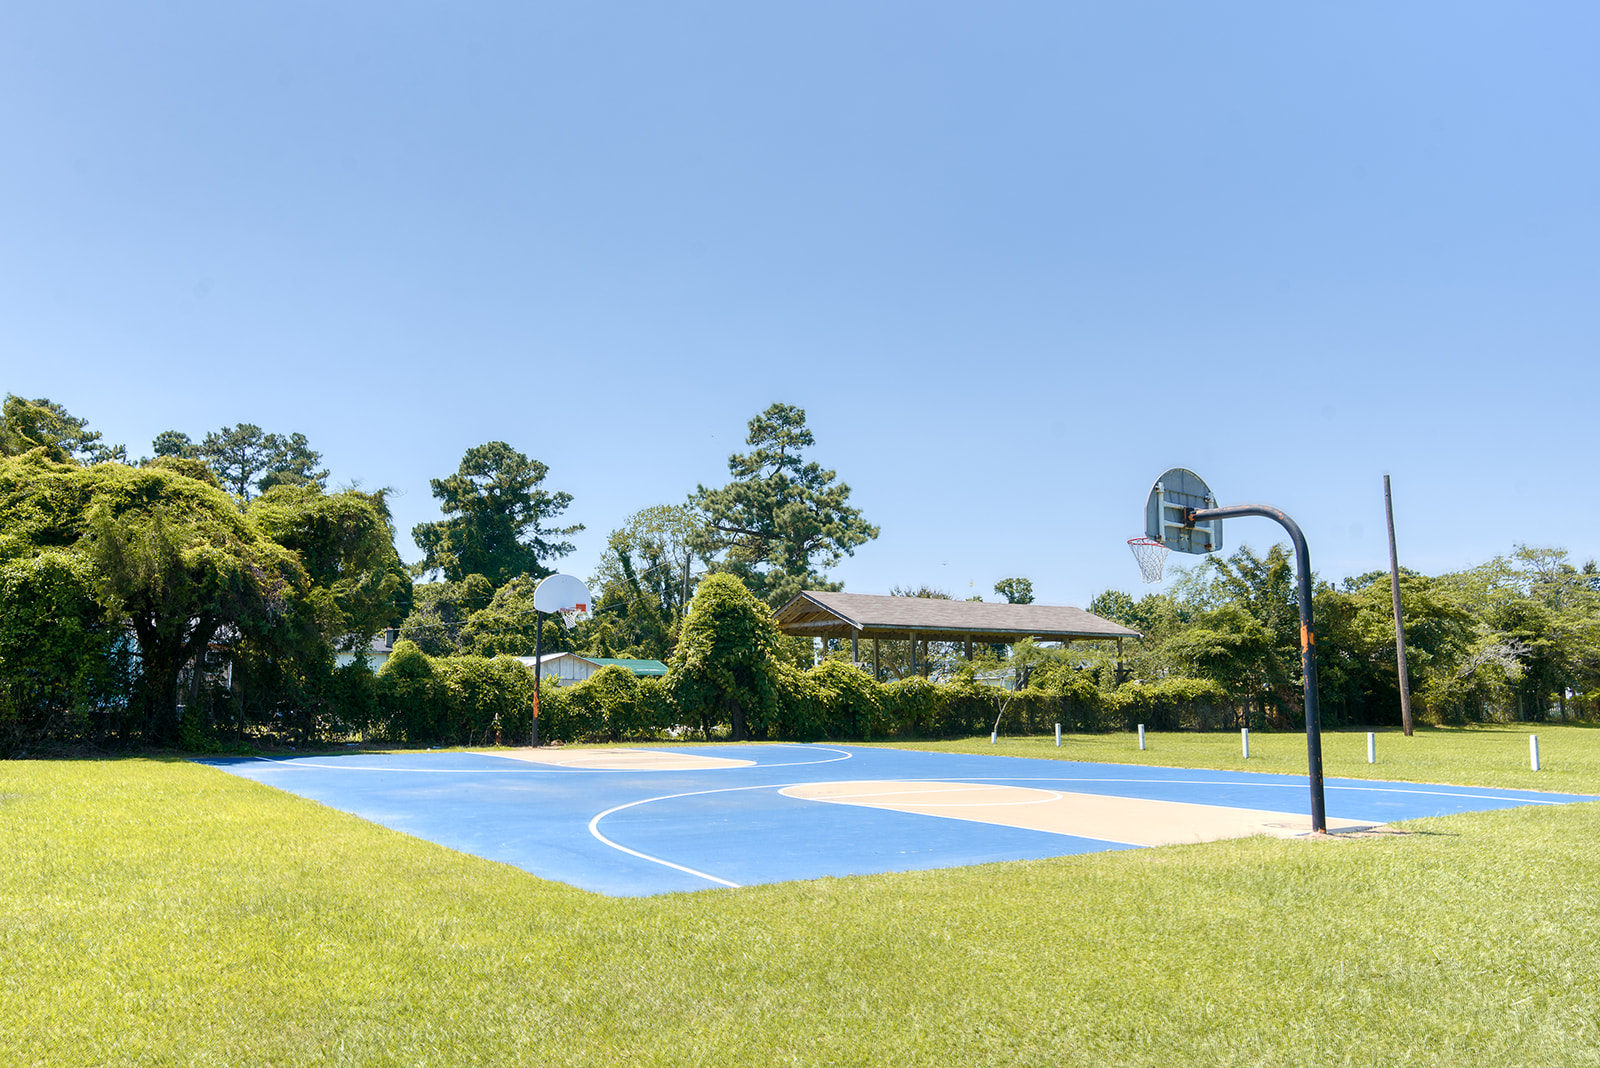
(553, 769)
(594, 828)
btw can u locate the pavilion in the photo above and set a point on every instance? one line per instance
(815, 614)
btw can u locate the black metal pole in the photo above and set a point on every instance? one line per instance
(1308, 642)
(1399, 617)
(538, 664)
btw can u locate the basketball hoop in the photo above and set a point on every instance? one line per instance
(569, 616)
(1151, 555)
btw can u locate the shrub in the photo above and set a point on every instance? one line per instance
(725, 670)
(1171, 704)
(802, 714)
(408, 696)
(55, 650)
(850, 700)
(914, 706)
(611, 705)
(557, 717)
(477, 699)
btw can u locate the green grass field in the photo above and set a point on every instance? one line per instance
(159, 912)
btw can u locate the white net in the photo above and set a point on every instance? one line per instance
(570, 616)
(1152, 556)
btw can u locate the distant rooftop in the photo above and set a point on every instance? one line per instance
(652, 668)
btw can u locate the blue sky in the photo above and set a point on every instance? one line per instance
(1014, 259)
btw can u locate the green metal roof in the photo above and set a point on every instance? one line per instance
(638, 667)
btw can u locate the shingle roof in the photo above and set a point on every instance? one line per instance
(866, 615)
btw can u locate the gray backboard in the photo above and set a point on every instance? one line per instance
(1175, 491)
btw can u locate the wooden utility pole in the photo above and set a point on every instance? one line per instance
(1399, 620)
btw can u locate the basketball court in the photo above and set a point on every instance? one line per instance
(654, 820)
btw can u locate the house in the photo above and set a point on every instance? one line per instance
(569, 668)
(378, 650)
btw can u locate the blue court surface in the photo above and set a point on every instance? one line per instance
(628, 822)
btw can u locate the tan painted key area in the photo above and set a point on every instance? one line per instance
(1134, 821)
(620, 759)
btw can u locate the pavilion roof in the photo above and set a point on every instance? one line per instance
(817, 614)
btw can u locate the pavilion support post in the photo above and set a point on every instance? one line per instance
(855, 647)
(914, 670)
(969, 647)
(877, 669)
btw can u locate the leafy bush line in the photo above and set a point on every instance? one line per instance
(420, 700)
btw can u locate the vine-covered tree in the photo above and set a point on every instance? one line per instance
(43, 424)
(345, 542)
(497, 519)
(175, 559)
(782, 519)
(726, 668)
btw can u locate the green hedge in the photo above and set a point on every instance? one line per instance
(612, 705)
(416, 699)
(450, 700)
(1173, 704)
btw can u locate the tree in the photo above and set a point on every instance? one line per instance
(1357, 667)
(1539, 620)
(509, 625)
(1015, 590)
(781, 518)
(1158, 618)
(34, 424)
(726, 667)
(175, 560)
(497, 519)
(439, 611)
(294, 465)
(175, 443)
(1264, 588)
(643, 582)
(239, 454)
(345, 543)
(657, 545)
(1231, 647)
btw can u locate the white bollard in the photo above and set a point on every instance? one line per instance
(1372, 747)
(1058, 736)
(1244, 740)
(992, 736)
(1141, 736)
(1533, 750)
